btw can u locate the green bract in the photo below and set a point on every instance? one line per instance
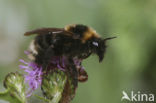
(53, 85)
(15, 88)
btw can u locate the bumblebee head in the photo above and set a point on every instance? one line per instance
(90, 40)
(98, 46)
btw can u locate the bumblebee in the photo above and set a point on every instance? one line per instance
(73, 41)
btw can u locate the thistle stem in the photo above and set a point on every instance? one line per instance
(7, 96)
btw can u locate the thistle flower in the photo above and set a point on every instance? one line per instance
(34, 71)
(33, 76)
(58, 62)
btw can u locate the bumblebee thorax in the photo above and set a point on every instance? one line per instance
(85, 33)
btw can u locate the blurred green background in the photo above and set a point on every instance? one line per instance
(130, 60)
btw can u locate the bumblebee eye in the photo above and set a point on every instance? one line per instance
(95, 43)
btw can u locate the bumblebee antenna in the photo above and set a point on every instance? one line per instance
(109, 38)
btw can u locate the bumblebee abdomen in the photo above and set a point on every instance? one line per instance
(39, 45)
(43, 41)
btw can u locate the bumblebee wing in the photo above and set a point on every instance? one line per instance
(43, 31)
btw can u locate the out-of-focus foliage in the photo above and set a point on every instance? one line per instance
(130, 61)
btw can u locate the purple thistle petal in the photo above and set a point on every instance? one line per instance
(33, 76)
(21, 60)
(26, 52)
(58, 62)
(23, 67)
(59, 67)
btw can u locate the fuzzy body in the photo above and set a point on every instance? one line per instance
(74, 41)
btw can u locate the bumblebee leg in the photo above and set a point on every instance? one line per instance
(48, 55)
(82, 75)
(73, 72)
(71, 84)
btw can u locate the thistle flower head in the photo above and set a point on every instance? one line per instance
(33, 76)
(34, 72)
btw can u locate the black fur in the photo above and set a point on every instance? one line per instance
(79, 30)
